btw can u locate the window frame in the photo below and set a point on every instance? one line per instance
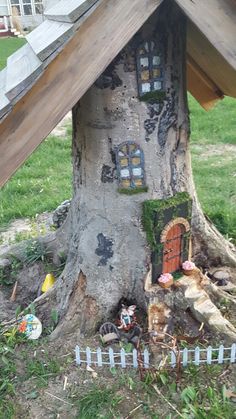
(130, 155)
(31, 3)
(152, 52)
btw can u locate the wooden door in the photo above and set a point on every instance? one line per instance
(172, 252)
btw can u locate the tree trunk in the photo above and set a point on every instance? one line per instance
(108, 254)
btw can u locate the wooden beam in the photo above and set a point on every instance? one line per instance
(69, 11)
(68, 77)
(211, 61)
(216, 19)
(200, 86)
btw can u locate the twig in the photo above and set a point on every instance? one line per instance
(134, 410)
(13, 295)
(65, 382)
(166, 400)
(58, 398)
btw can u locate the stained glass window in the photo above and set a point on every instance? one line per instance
(149, 68)
(130, 166)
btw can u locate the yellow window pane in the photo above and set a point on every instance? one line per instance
(156, 72)
(124, 162)
(124, 149)
(125, 183)
(142, 51)
(136, 161)
(132, 147)
(138, 182)
(145, 75)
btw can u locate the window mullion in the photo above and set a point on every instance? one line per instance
(33, 7)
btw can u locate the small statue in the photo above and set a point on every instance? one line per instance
(127, 318)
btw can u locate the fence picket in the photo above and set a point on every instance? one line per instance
(221, 354)
(77, 355)
(233, 353)
(99, 357)
(173, 359)
(209, 355)
(185, 357)
(135, 358)
(88, 356)
(146, 358)
(197, 356)
(122, 358)
(111, 357)
(131, 359)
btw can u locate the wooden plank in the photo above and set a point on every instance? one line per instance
(4, 101)
(49, 36)
(201, 87)
(216, 19)
(211, 61)
(22, 68)
(69, 11)
(84, 58)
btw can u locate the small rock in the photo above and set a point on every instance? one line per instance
(222, 276)
(5, 263)
(60, 213)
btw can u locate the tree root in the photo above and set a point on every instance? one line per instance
(216, 293)
(204, 310)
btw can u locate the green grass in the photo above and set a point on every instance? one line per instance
(214, 163)
(7, 47)
(217, 126)
(98, 403)
(40, 184)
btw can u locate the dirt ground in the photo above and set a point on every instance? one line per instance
(53, 399)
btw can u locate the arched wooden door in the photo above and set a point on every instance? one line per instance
(173, 247)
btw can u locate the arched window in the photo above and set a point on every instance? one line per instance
(130, 166)
(149, 68)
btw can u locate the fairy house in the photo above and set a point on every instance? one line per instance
(124, 67)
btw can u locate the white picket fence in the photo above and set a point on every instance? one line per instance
(184, 357)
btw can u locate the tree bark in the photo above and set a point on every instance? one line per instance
(108, 255)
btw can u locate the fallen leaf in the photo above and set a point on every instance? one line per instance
(230, 394)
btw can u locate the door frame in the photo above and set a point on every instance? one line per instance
(180, 221)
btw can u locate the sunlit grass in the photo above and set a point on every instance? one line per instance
(7, 47)
(40, 184)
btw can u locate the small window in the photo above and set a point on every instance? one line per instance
(130, 166)
(149, 68)
(27, 7)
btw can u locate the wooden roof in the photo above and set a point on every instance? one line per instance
(211, 47)
(35, 85)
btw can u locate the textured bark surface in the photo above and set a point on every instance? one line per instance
(108, 255)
